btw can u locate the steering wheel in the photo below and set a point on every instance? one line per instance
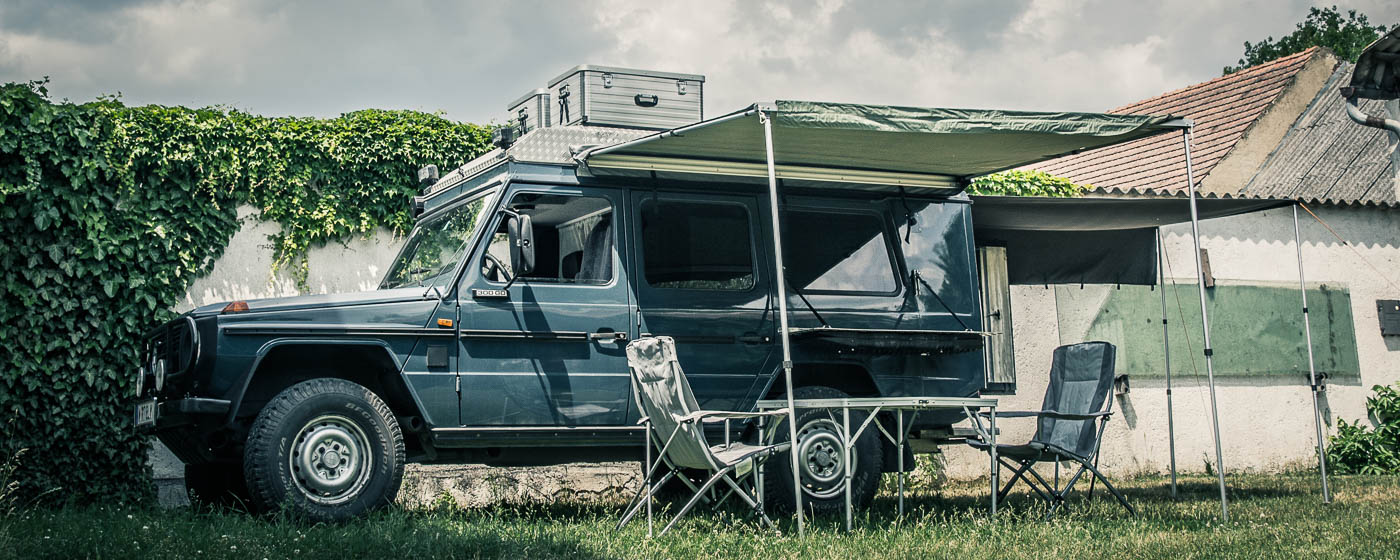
(492, 268)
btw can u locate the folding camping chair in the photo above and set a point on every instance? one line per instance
(676, 426)
(1078, 398)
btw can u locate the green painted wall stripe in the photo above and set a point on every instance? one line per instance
(1256, 330)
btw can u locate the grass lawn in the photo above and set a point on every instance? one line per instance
(1275, 516)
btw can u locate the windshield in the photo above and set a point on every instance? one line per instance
(436, 246)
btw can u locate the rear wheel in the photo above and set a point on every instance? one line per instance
(821, 461)
(327, 449)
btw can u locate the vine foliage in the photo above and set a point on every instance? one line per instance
(108, 212)
(1026, 183)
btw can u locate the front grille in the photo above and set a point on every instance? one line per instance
(171, 348)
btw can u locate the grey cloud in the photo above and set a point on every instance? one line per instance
(89, 21)
(469, 59)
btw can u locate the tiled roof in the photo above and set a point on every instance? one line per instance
(1222, 110)
(1328, 158)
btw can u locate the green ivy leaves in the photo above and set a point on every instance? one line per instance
(108, 212)
(1026, 183)
(1357, 448)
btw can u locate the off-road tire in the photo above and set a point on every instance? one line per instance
(867, 455)
(358, 434)
(218, 484)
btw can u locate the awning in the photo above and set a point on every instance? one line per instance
(1090, 240)
(868, 147)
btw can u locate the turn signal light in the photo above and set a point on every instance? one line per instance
(444, 322)
(236, 307)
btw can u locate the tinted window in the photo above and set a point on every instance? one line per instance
(697, 245)
(831, 252)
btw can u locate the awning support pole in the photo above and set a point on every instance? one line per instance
(1205, 327)
(1167, 352)
(782, 314)
(1312, 369)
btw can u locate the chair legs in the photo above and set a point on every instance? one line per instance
(701, 493)
(1054, 496)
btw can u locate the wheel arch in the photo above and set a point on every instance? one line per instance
(283, 362)
(851, 378)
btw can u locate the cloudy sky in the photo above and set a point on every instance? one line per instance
(468, 59)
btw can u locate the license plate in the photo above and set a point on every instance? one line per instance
(146, 414)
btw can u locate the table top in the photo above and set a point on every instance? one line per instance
(883, 402)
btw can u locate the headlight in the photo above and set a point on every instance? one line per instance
(159, 374)
(140, 380)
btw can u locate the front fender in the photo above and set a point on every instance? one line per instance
(247, 378)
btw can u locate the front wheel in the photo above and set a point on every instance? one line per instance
(821, 461)
(328, 449)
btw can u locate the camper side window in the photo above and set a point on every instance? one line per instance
(852, 257)
(697, 245)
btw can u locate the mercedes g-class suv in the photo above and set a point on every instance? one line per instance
(497, 334)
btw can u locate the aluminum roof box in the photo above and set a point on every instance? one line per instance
(626, 97)
(531, 111)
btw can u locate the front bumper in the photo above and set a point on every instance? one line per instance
(182, 412)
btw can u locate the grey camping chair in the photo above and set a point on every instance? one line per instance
(675, 425)
(1070, 425)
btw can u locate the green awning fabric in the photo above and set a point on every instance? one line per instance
(865, 146)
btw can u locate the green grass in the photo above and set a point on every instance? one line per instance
(1275, 516)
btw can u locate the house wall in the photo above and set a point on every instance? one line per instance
(1266, 422)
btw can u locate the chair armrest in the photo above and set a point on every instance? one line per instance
(1069, 416)
(720, 415)
(1050, 413)
(1011, 414)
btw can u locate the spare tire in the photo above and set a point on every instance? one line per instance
(821, 461)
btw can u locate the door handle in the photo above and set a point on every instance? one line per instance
(753, 338)
(608, 335)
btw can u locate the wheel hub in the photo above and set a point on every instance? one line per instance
(820, 458)
(330, 461)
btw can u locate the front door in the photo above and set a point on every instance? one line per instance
(549, 348)
(700, 280)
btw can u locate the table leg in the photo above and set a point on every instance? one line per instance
(899, 429)
(992, 434)
(758, 477)
(846, 440)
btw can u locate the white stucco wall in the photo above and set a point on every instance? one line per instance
(244, 271)
(1265, 423)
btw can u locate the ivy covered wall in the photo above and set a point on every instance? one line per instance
(108, 212)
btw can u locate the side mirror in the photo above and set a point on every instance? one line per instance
(522, 244)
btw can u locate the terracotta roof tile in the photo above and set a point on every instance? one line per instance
(1222, 110)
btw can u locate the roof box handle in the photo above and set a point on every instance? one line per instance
(644, 100)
